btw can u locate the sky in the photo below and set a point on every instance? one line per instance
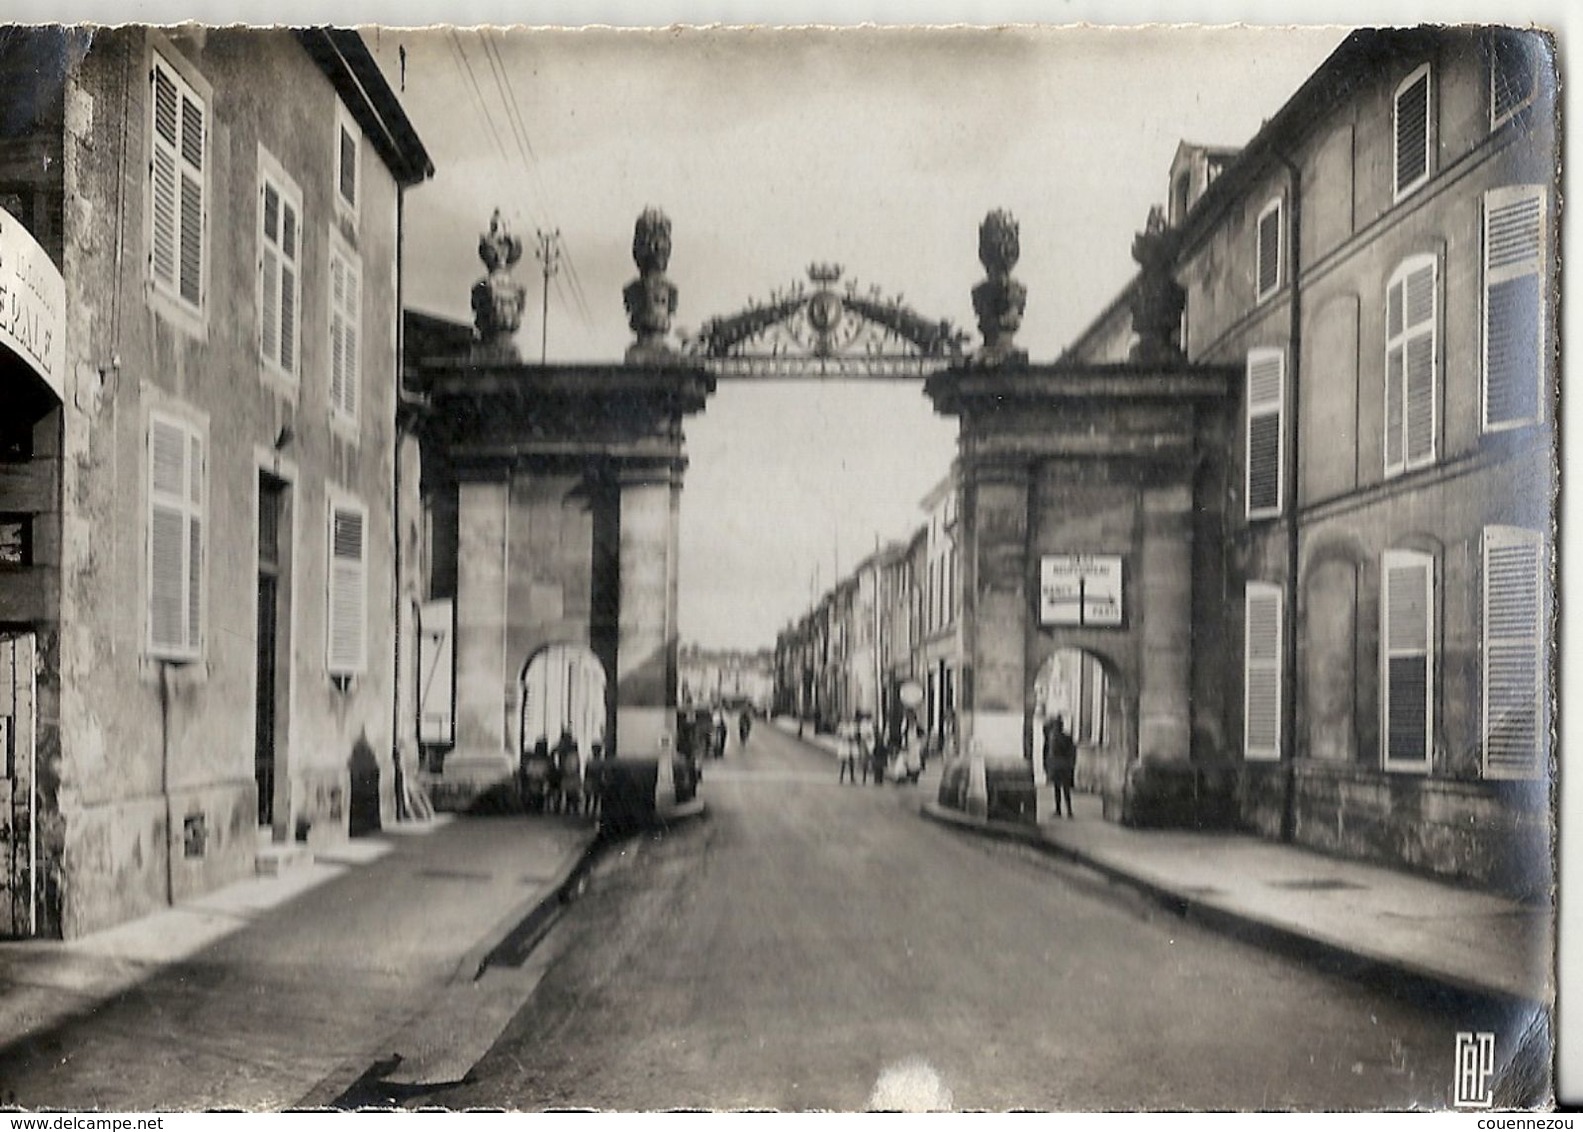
(880, 150)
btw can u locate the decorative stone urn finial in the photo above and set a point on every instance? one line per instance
(650, 298)
(1157, 300)
(999, 299)
(498, 298)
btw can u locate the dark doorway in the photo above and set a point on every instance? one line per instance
(271, 497)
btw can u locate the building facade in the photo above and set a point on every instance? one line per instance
(210, 503)
(1379, 262)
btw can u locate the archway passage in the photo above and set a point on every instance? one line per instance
(1078, 687)
(562, 691)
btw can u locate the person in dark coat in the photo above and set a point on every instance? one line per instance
(1060, 762)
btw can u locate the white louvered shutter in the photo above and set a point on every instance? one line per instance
(1407, 650)
(1261, 671)
(1269, 250)
(353, 308)
(192, 179)
(337, 332)
(166, 134)
(175, 539)
(177, 196)
(1412, 140)
(1266, 397)
(1514, 331)
(1514, 653)
(348, 591)
(345, 305)
(1411, 366)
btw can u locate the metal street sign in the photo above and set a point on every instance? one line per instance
(32, 304)
(1080, 589)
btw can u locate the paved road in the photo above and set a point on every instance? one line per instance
(811, 945)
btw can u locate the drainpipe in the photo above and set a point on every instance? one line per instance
(1294, 409)
(164, 781)
(398, 779)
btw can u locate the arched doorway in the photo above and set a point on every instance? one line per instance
(562, 688)
(1083, 688)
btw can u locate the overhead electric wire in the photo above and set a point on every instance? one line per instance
(519, 128)
(478, 94)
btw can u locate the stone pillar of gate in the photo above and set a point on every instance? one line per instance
(481, 756)
(1165, 585)
(645, 669)
(994, 541)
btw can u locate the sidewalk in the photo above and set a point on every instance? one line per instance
(282, 991)
(1285, 896)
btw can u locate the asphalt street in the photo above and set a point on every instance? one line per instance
(811, 945)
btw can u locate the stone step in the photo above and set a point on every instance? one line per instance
(272, 858)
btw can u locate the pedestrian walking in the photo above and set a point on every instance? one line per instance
(865, 745)
(1060, 762)
(846, 750)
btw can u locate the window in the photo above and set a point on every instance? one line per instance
(347, 170)
(1514, 322)
(1410, 363)
(279, 271)
(1266, 396)
(345, 321)
(1269, 250)
(1514, 653)
(348, 598)
(1407, 610)
(1261, 671)
(175, 539)
(1514, 73)
(1413, 138)
(179, 188)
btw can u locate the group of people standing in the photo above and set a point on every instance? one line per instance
(861, 749)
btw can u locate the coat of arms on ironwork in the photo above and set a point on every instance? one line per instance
(823, 326)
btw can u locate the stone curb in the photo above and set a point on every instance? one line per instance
(520, 931)
(538, 908)
(1246, 926)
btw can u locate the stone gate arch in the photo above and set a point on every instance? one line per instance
(1092, 694)
(562, 687)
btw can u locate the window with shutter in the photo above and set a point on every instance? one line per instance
(175, 524)
(1412, 133)
(279, 272)
(1514, 307)
(348, 598)
(1514, 653)
(1411, 363)
(1407, 609)
(1514, 60)
(347, 170)
(1261, 671)
(1266, 442)
(1268, 251)
(345, 322)
(178, 185)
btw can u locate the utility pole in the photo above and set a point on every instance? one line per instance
(549, 256)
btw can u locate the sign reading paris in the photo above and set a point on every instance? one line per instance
(1080, 589)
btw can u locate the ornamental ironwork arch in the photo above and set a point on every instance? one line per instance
(824, 327)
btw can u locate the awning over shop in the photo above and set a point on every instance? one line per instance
(32, 314)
